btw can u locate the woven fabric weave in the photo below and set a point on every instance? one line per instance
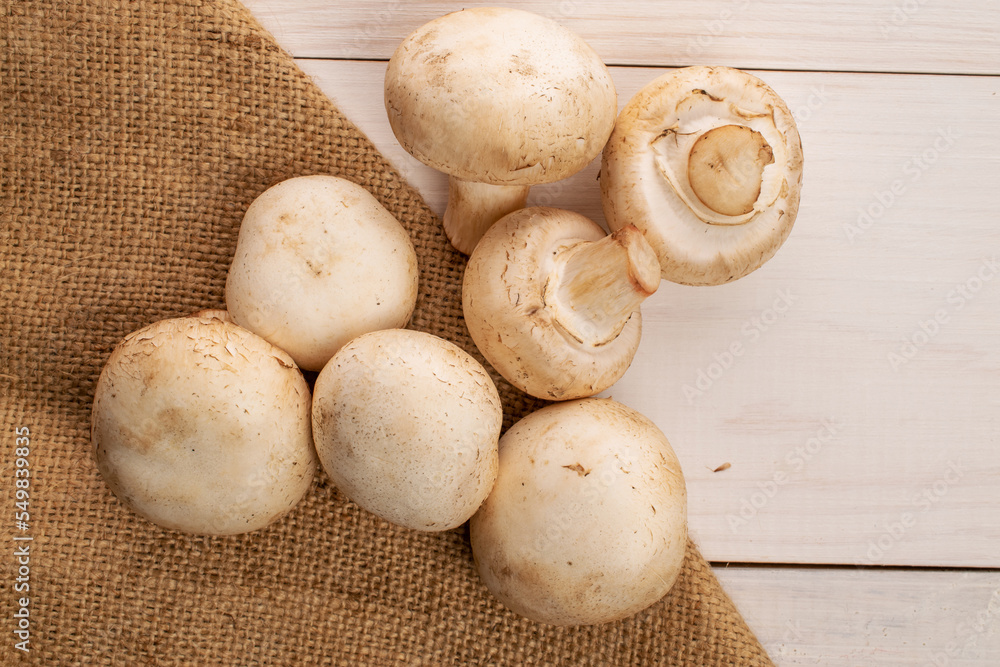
(135, 134)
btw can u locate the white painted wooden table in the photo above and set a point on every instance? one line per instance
(858, 521)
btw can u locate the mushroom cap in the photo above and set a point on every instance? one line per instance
(645, 167)
(509, 319)
(587, 521)
(499, 96)
(319, 261)
(406, 425)
(214, 313)
(200, 426)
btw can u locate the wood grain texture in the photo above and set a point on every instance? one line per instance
(890, 618)
(846, 35)
(853, 383)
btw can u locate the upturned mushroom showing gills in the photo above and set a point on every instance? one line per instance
(500, 99)
(200, 426)
(406, 425)
(707, 162)
(587, 521)
(552, 301)
(319, 261)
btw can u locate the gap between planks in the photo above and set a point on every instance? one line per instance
(669, 67)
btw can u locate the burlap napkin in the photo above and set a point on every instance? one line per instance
(135, 134)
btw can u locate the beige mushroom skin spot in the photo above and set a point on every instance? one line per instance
(201, 426)
(406, 425)
(552, 301)
(500, 99)
(587, 522)
(319, 261)
(707, 162)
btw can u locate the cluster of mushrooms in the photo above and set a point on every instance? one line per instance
(577, 514)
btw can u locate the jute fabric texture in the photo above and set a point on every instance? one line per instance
(134, 136)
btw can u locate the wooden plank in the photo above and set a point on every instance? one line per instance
(839, 452)
(844, 618)
(879, 316)
(844, 35)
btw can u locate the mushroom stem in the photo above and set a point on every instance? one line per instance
(726, 166)
(474, 207)
(602, 283)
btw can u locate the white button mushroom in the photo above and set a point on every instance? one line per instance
(707, 162)
(406, 425)
(500, 99)
(319, 261)
(552, 302)
(587, 521)
(201, 426)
